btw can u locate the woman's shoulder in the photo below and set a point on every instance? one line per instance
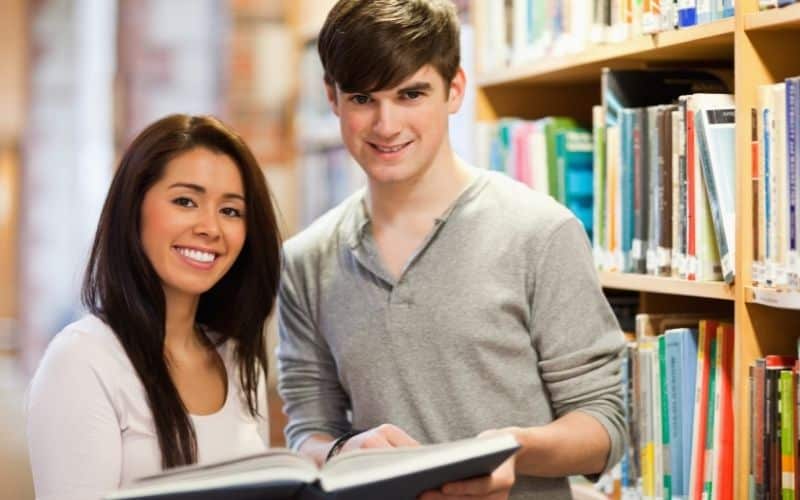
(87, 341)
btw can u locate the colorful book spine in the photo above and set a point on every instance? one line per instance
(711, 423)
(666, 448)
(723, 426)
(687, 13)
(707, 332)
(787, 405)
(793, 166)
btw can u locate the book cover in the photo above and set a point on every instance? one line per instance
(722, 478)
(681, 364)
(687, 13)
(666, 419)
(787, 385)
(717, 145)
(772, 424)
(664, 192)
(711, 422)
(793, 168)
(395, 473)
(599, 166)
(641, 190)
(707, 333)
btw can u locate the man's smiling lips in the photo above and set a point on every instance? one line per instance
(389, 149)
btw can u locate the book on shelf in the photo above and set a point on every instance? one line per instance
(656, 214)
(519, 32)
(717, 146)
(775, 176)
(552, 155)
(772, 424)
(677, 388)
(396, 473)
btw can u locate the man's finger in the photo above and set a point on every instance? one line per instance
(397, 436)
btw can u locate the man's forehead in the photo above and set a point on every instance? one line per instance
(425, 78)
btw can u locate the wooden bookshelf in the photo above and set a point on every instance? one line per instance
(758, 47)
(670, 286)
(771, 297)
(774, 19)
(712, 42)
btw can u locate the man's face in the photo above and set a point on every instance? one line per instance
(397, 134)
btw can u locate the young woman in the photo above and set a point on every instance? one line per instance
(170, 366)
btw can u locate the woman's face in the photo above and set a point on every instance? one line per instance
(192, 221)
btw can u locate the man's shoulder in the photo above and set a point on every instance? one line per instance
(325, 232)
(522, 206)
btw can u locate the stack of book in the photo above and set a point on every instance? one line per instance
(774, 428)
(521, 31)
(776, 163)
(664, 174)
(677, 376)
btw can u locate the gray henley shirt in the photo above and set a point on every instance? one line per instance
(497, 320)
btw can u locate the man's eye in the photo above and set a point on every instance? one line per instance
(184, 202)
(360, 99)
(413, 94)
(231, 212)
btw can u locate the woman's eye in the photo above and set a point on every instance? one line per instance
(231, 212)
(184, 202)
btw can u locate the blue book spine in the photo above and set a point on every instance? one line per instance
(628, 120)
(765, 144)
(687, 13)
(728, 9)
(792, 89)
(674, 372)
(626, 402)
(688, 377)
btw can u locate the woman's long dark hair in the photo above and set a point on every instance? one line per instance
(122, 288)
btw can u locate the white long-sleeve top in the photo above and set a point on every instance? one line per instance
(90, 428)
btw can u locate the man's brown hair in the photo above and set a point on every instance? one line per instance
(372, 45)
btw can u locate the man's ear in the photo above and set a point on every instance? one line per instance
(330, 90)
(457, 88)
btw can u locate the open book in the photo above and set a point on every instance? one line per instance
(393, 473)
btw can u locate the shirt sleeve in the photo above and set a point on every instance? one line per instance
(74, 437)
(308, 381)
(577, 336)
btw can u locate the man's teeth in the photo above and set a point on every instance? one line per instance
(393, 149)
(197, 255)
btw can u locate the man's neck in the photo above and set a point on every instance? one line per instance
(420, 199)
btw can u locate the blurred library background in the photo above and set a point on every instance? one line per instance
(80, 79)
(669, 127)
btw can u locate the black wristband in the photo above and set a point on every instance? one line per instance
(339, 443)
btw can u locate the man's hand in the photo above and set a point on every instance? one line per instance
(496, 486)
(383, 436)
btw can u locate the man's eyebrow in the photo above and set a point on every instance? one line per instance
(200, 189)
(415, 87)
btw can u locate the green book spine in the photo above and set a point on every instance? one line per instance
(665, 457)
(599, 136)
(552, 127)
(787, 435)
(708, 467)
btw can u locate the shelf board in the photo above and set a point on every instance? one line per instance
(671, 286)
(785, 18)
(712, 41)
(771, 297)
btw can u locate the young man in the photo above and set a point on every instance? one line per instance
(441, 301)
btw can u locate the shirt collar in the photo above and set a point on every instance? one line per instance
(359, 218)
